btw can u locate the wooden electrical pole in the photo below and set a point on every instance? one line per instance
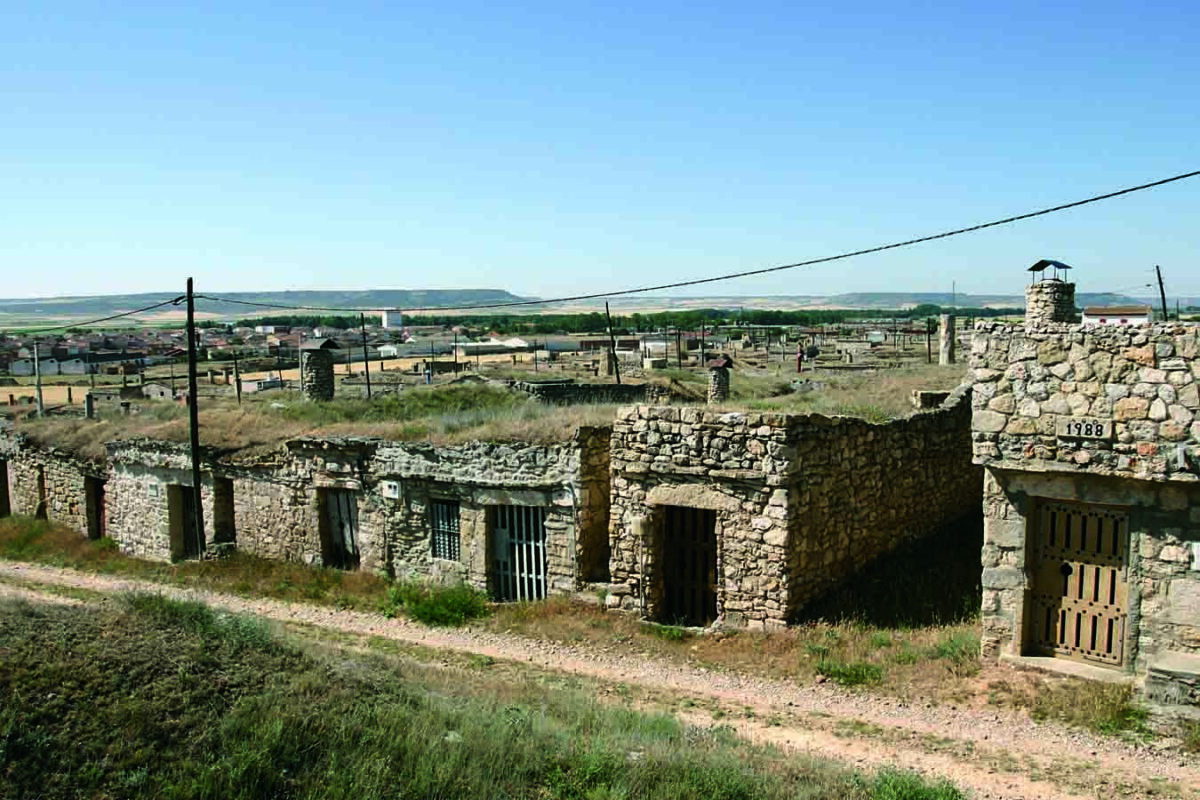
(37, 371)
(237, 378)
(612, 345)
(1161, 292)
(362, 320)
(194, 421)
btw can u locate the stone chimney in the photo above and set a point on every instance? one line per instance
(1050, 300)
(318, 383)
(718, 379)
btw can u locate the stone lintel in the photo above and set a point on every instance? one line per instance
(692, 495)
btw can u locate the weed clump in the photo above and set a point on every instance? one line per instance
(441, 606)
(854, 673)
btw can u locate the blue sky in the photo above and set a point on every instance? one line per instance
(555, 148)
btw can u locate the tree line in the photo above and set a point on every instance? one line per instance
(595, 322)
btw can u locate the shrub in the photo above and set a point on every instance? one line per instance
(443, 606)
(855, 673)
(668, 633)
(890, 785)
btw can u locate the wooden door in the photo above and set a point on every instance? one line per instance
(341, 509)
(689, 570)
(1080, 591)
(93, 489)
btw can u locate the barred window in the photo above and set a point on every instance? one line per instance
(445, 541)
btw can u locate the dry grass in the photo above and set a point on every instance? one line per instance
(43, 542)
(443, 415)
(933, 662)
(875, 395)
(457, 413)
(1102, 707)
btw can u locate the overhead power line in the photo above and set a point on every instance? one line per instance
(733, 275)
(174, 301)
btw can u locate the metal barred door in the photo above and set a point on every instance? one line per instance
(1080, 588)
(519, 552)
(689, 566)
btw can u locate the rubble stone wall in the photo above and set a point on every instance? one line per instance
(1102, 415)
(138, 497)
(801, 501)
(47, 482)
(1138, 382)
(862, 489)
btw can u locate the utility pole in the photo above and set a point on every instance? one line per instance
(194, 420)
(37, 371)
(456, 352)
(362, 321)
(1161, 292)
(237, 378)
(612, 345)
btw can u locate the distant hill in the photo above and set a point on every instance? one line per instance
(31, 310)
(61, 310)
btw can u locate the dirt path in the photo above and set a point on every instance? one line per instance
(992, 753)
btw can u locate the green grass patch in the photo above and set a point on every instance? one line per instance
(442, 606)
(668, 633)
(854, 673)
(154, 698)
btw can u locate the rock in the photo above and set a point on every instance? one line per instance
(1128, 408)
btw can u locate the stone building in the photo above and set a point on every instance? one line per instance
(521, 521)
(150, 501)
(1091, 449)
(742, 518)
(52, 484)
(684, 514)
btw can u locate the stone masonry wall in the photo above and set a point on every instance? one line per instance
(1139, 381)
(802, 501)
(138, 496)
(1163, 576)
(1097, 415)
(861, 489)
(570, 393)
(47, 482)
(732, 463)
(481, 475)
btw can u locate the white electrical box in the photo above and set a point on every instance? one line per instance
(390, 489)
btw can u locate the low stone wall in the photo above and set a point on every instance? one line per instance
(862, 489)
(801, 502)
(566, 393)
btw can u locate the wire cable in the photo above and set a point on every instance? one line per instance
(747, 273)
(172, 302)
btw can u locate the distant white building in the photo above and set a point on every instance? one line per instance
(391, 319)
(1117, 315)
